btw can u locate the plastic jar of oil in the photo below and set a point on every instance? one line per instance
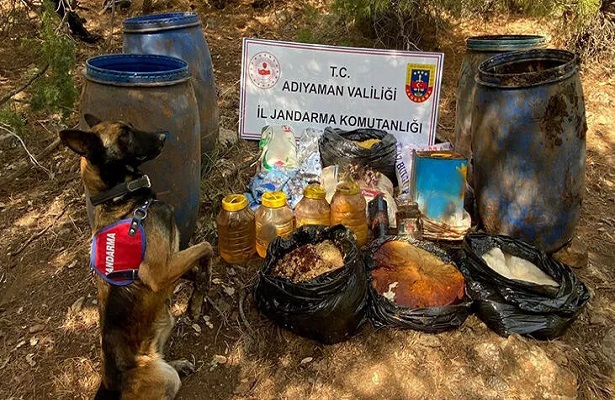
(348, 208)
(273, 218)
(313, 208)
(236, 230)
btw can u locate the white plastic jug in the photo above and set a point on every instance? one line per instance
(278, 147)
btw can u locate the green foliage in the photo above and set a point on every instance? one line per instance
(397, 23)
(594, 37)
(12, 118)
(323, 27)
(55, 90)
(586, 10)
(307, 34)
(416, 23)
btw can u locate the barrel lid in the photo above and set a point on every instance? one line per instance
(234, 202)
(504, 43)
(314, 191)
(136, 69)
(273, 199)
(160, 22)
(348, 188)
(529, 68)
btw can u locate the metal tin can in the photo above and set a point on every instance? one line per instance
(439, 184)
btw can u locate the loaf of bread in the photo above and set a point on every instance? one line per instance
(412, 277)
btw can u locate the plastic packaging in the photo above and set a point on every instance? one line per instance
(373, 184)
(278, 147)
(313, 209)
(384, 312)
(331, 307)
(338, 147)
(348, 207)
(511, 306)
(273, 218)
(308, 156)
(236, 230)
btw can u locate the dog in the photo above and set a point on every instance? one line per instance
(134, 306)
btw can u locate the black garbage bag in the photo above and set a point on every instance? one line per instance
(512, 306)
(329, 308)
(338, 147)
(385, 313)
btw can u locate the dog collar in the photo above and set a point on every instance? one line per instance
(121, 189)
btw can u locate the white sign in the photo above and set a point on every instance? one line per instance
(315, 86)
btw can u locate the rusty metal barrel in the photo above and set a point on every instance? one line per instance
(528, 129)
(478, 49)
(153, 93)
(180, 35)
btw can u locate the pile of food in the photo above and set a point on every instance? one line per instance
(309, 261)
(369, 143)
(517, 268)
(412, 277)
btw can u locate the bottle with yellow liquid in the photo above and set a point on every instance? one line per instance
(348, 208)
(273, 218)
(236, 230)
(313, 208)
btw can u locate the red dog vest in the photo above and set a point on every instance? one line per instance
(116, 255)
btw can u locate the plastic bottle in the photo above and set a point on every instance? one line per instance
(313, 208)
(273, 218)
(236, 230)
(348, 208)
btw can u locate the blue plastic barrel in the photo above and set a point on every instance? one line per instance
(478, 49)
(528, 129)
(154, 93)
(180, 35)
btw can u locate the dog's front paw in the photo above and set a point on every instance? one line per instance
(183, 367)
(197, 299)
(206, 250)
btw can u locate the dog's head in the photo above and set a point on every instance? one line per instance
(113, 143)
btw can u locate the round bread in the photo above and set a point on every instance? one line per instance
(423, 279)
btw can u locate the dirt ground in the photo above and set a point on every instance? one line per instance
(49, 346)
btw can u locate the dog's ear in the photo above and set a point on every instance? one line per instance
(81, 142)
(91, 120)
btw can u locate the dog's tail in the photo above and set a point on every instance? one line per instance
(106, 394)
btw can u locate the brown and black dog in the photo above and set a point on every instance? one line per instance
(135, 320)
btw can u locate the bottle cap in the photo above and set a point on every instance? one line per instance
(348, 188)
(234, 202)
(273, 199)
(314, 191)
